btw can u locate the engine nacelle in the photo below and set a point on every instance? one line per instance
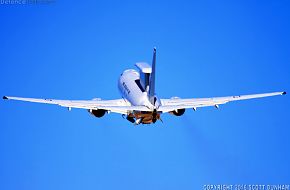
(98, 113)
(178, 112)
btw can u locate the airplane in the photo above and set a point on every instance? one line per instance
(139, 102)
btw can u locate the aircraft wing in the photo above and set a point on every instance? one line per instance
(118, 105)
(168, 105)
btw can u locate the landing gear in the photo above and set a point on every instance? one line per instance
(143, 117)
(154, 116)
(131, 119)
(138, 121)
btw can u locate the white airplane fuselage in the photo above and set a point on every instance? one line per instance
(136, 95)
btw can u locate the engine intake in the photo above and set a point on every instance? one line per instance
(178, 112)
(98, 113)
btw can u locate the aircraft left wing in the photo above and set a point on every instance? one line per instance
(168, 105)
(118, 105)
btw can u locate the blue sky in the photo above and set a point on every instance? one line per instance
(77, 50)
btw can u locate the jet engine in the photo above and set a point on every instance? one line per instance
(178, 112)
(98, 113)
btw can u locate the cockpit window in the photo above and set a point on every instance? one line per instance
(139, 85)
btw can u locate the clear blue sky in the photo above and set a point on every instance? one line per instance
(77, 50)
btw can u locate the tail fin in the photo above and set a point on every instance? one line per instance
(152, 80)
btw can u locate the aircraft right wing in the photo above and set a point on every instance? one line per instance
(168, 105)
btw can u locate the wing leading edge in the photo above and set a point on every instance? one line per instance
(169, 105)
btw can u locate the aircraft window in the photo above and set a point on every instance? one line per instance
(139, 85)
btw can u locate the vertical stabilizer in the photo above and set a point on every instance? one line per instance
(152, 80)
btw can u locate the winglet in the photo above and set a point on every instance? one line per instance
(5, 98)
(284, 93)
